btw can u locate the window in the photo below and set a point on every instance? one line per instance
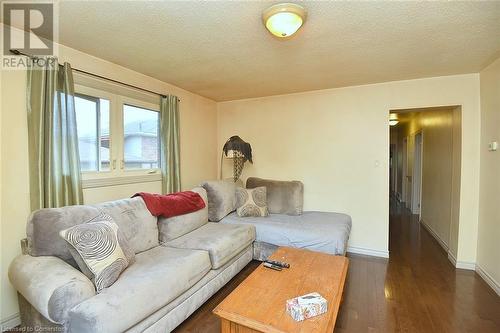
(92, 122)
(140, 138)
(118, 136)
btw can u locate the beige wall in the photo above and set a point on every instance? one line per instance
(456, 182)
(15, 195)
(488, 253)
(198, 118)
(336, 141)
(440, 128)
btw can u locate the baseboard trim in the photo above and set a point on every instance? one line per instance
(471, 266)
(10, 322)
(488, 279)
(441, 242)
(452, 258)
(368, 252)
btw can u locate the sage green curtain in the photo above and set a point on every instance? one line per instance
(170, 155)
(52, 136)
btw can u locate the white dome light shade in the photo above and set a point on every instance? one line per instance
(283, 20)
(284, 24)
(393, 119)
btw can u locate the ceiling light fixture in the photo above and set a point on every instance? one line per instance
(284, 19)
(393, 119)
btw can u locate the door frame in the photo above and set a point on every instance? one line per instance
(404, 168)
(417, 174)
(393, 168)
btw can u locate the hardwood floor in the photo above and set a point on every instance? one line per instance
(416, 290)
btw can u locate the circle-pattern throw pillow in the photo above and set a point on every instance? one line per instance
(100, 251)
(251, 202)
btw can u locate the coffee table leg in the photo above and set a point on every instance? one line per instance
(225, 326)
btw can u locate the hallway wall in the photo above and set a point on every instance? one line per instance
(488, 254)
(441, 143)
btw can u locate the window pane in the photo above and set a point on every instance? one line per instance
(86, 124)
(105, 144)
(94, 152)
(141, 147)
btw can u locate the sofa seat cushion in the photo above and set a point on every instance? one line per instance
(317, 231)
(222, 241)
(158, 276)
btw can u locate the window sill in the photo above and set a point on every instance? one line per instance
(114, 181)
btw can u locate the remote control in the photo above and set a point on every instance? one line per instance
(271, 266)
(279, 263)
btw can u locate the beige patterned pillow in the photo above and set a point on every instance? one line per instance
(251, 202)
(100, 250)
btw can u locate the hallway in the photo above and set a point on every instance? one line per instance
(417, 289)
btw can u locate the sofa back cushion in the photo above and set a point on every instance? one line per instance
(283, 197)
(131, 215)
(221, 198)
(135, 221)
(45, 224)
(177, 226)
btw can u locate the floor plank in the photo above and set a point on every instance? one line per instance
(416, 290)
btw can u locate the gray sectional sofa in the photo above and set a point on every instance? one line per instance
(180, 261)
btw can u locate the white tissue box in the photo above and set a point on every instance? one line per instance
(306, 306)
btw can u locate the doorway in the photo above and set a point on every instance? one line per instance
(404, 168)
(416, 193)
(427, 142)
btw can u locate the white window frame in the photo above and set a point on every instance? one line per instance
(117, 174)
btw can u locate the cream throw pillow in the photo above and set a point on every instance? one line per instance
(100, 250)
(251, 202)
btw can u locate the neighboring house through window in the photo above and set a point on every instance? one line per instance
(140, 146)
(92, 121)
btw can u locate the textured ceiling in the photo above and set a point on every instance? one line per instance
(221, 50)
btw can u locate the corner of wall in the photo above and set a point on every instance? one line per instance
(488, 265)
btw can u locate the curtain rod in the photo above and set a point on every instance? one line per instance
(17, 52)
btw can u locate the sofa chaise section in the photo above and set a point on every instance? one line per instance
(288, 225)
(318, 231)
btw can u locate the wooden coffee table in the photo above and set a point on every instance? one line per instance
(258, 303)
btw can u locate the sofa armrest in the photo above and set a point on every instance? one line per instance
(51, 285)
